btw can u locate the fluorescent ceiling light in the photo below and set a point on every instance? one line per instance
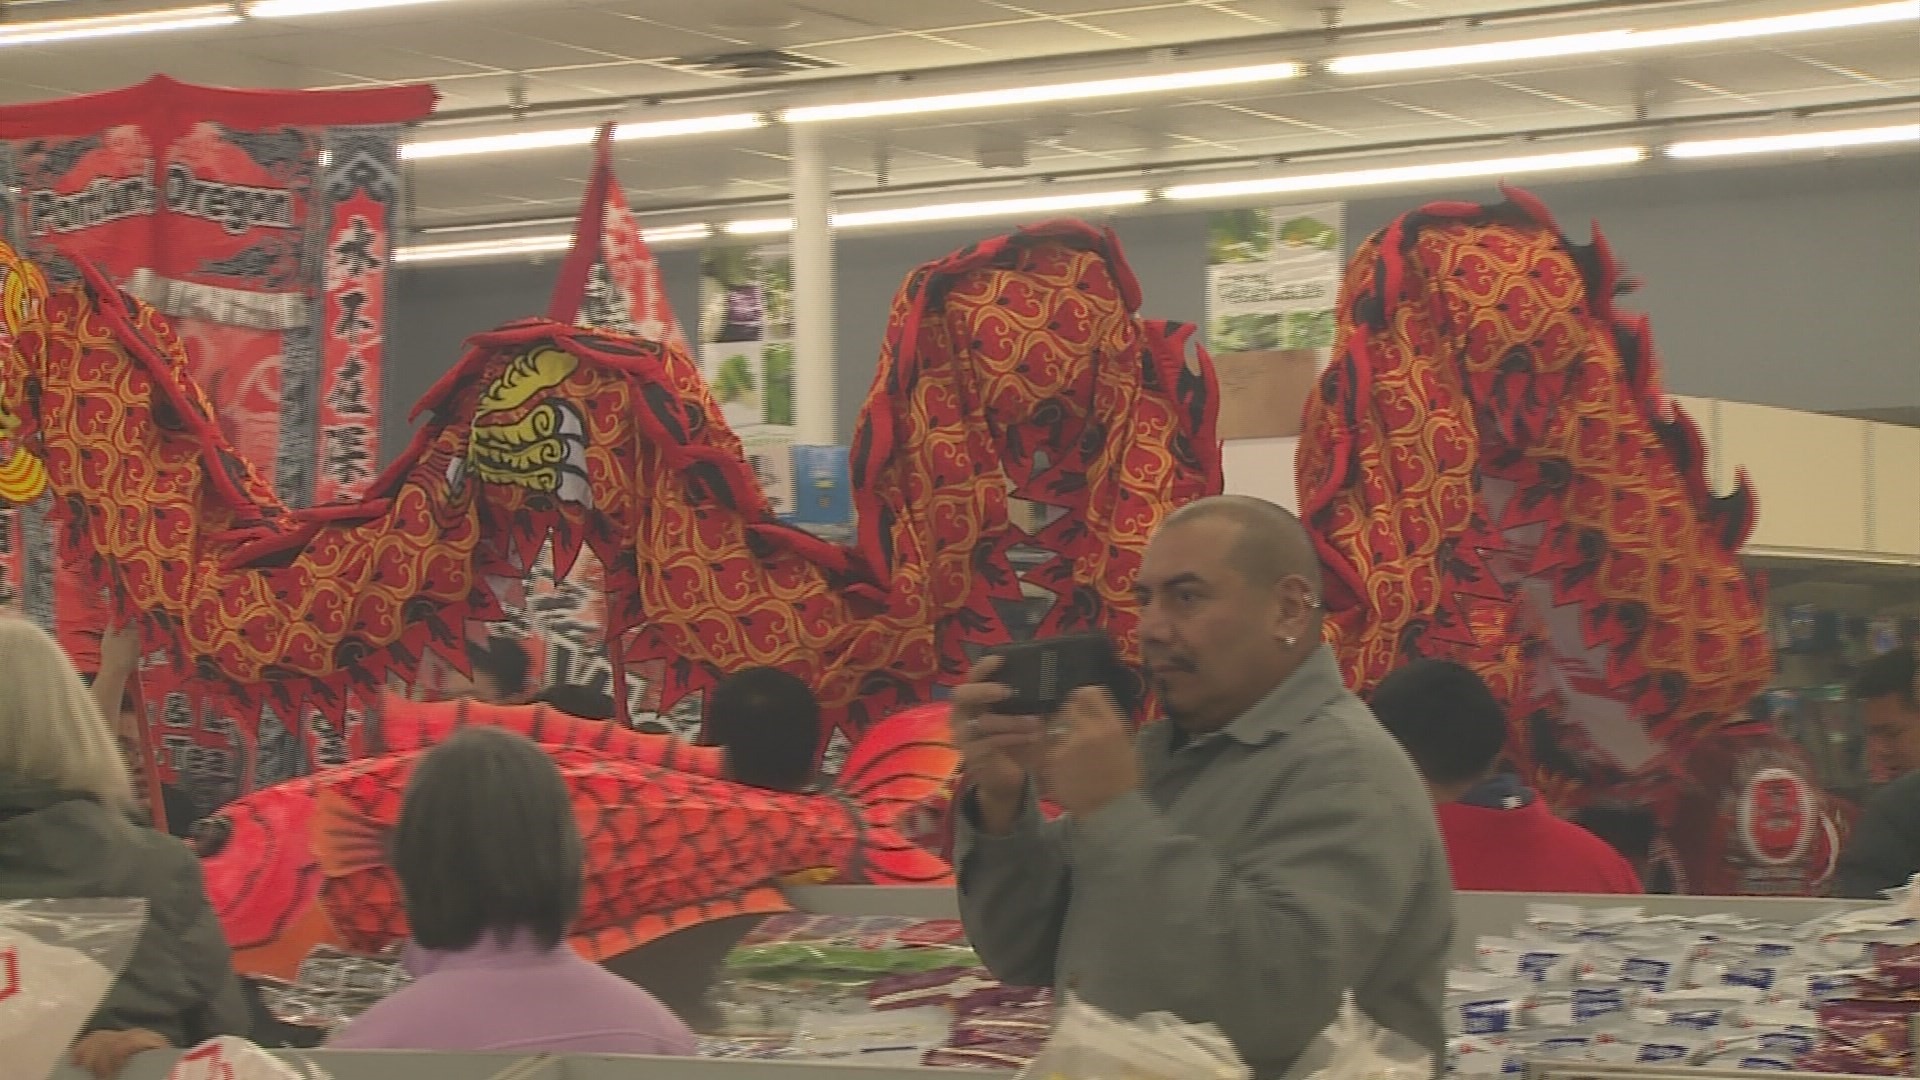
(1038, 95)
(552, 138)
(695, 125)
(496, 144)
(1605, 41)
(542, 244)
(1410, 174)
(759, 226)
(1782, 144)
(1047, 204)
(957, 211)
(103, 26)
(293, 9)
(484, 249)
(668, 234)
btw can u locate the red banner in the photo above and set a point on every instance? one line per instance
(208, 203)
(260, 223)
(611, 280)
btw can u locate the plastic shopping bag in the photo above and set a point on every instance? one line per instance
(1356, 1048)
(1088, 1044)
(228, 1058)
(58, 960)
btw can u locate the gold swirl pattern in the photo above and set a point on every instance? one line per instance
(1017, 351)
(1493, 475)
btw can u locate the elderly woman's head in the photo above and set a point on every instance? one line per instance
(51, 732)
(487, 843)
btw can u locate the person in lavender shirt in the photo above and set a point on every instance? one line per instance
(490, 860)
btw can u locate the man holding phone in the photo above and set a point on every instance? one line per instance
(1246, 863)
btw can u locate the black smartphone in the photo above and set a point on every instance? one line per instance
(1042, 673)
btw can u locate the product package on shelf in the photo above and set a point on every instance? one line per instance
(228, 1058)
(1088, 1044)
(58, 959)
(331, 988)
(878, 990)
(1618, 986)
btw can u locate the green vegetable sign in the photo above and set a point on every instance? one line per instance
(746, 353)
(1273, 280)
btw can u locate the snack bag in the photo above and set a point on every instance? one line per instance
(228, 1058)
(1088, 1044)
(1363, 1050)
(58, 960)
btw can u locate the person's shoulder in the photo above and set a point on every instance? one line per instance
(625, 1002)
(1344, 743)
(167, 872)
(160, 852)
(1899, 798)
(1577, 846)
(385, 1026)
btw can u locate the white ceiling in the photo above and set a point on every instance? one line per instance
(619, 53)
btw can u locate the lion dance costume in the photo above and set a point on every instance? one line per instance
(1493, 474)
(1017, 368)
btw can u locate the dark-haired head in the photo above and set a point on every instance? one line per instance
(501, 668)
(575, 700)
(769, 723)
(487, 843)
(1449, 722)
(1889, 698)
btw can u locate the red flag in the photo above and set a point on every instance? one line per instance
(610, 280)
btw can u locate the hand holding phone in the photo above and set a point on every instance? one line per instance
(1043, 673)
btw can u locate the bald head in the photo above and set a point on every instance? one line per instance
(1229, 607)
(1272, 543)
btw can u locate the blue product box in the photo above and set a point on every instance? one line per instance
(823, 486)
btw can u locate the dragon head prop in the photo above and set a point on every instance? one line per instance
(1493, 474)
(23, 295)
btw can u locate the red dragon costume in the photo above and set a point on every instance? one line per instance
(1016, 368)
(1493, 474)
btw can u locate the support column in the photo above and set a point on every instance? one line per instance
(815, 375)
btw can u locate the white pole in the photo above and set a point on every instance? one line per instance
(815, 375)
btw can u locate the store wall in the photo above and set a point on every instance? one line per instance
(1795, 285)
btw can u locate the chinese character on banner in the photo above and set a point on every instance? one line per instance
(259, 223)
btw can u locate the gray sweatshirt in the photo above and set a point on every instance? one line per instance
(1262, 872)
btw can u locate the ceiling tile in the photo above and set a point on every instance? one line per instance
(504, 50)
(613, 32)
(898, 53)
(571, 51)
(1039, 37)
(826, 20)
(1169, 24)
(1893, 58)
(1747, 71)
(1076, 8)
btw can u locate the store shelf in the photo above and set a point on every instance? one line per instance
(1895, 484)
(371, 1065)
(392, 1065)
(1479, 915)
(1573, 1070)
